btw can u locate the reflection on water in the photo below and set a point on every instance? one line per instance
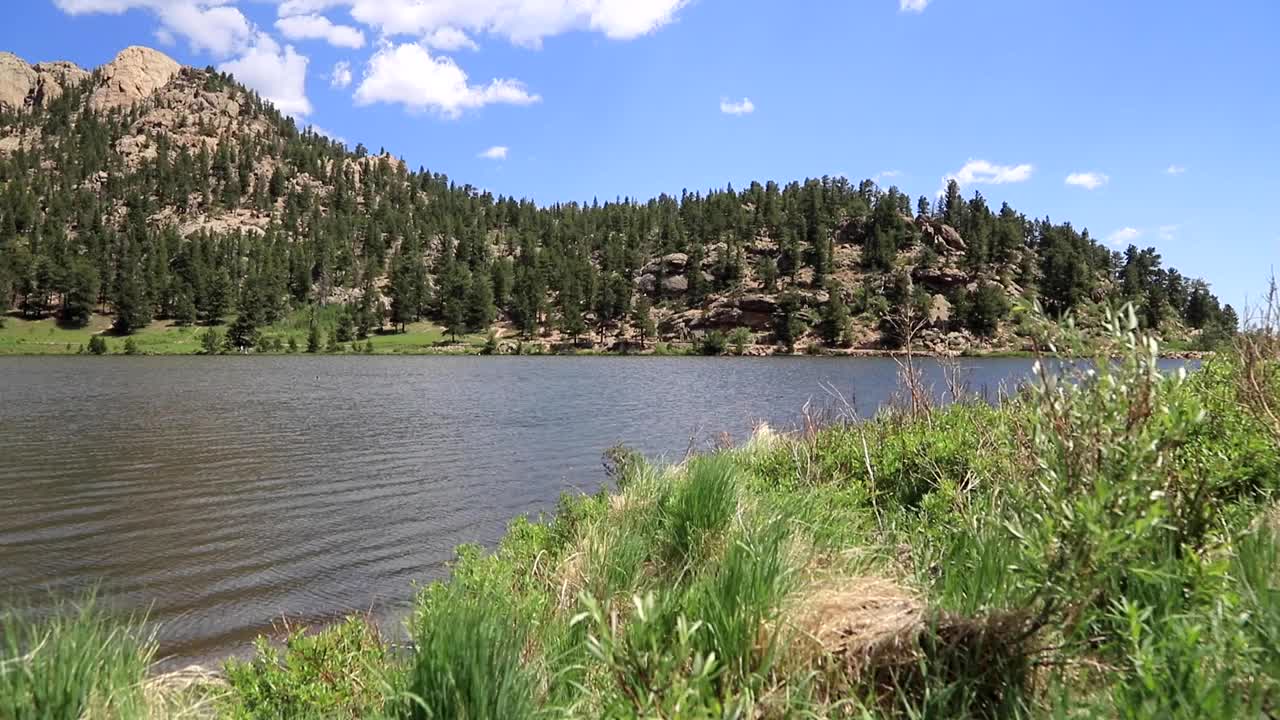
(222, 494)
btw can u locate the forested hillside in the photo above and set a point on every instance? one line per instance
(151, 192)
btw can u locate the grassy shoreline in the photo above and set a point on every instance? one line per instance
(44, 338)
(1108, 548)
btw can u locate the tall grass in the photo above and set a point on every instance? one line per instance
(468, 663)
(77, 663)
(700, 508)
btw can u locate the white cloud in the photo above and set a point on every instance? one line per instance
(318, 27)
(449, 39)
(497, 152)
(279, 75)
(209, 25)
(523, 22)
(742, 107)
(1175, 170)
(879, 178)
(331, 135)
(982, 172)
(1168, 232)
(341, 76)
(914, 6)
(409, 75)
(1088, 180)
(1124, 236)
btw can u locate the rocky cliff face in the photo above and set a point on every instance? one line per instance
(25, 87)
(135, 74)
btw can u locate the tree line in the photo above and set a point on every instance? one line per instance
(88, 225)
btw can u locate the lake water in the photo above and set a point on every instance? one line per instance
(223, 494)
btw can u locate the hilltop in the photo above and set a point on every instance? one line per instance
(146, 191)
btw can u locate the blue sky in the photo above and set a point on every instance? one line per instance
(1164, 115)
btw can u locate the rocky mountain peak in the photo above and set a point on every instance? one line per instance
(136, 73)
(24, 86)
(17, 79)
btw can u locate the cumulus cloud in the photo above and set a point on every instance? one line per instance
(341, 76)
(1175, 170)
(741, 107)
(497, 152)
(1088, 180)
(982, 172)
(449, 39)
(319, 27)
(880, 177)
(407, 74)
(523, 22)
(209, 25)
(278, 74)
(913, 6)
(1124, 236)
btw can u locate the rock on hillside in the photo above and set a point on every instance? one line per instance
(24, 86)
(135, 74)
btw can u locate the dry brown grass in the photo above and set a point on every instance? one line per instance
(189, 694)
(875, 639)
(1259, 349)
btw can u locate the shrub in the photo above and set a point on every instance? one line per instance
(98, 345)
(713, 343)
(340, 672)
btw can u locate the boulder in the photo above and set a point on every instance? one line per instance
(647, 283)
(675, 284)
(134, 75)
(761, 304)
(944, 278)
(939, 310)
(941, 237)
(673, 263)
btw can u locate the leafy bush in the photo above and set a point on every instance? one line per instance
(341, 672)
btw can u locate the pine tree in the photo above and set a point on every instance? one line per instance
(453, 300)
(132, 311)
(788, 325)
(314, 338)
(835, 317)
(81, 294)
(346, 329)
(184, 310)
(210, 341)
(243, 333)
(481, 309)
(642, 319)
(217, 298)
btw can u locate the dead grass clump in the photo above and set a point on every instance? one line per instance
(861, 623)
(872, 639)
(188, 694)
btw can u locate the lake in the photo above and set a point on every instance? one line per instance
(221, 495)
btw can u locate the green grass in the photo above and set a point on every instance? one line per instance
(44, 337)
(76, 664)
